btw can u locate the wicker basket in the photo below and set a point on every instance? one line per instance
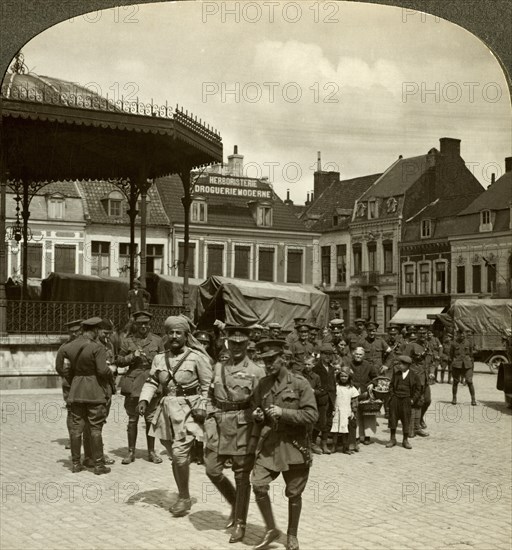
(370, 407)
(381, 387)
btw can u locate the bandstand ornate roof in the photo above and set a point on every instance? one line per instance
(56, 130)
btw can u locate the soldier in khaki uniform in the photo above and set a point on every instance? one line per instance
(137, 353)
(284, 410)
(229, 426)
(186, 374)
(461, 356)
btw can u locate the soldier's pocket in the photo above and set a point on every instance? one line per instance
(290, 399)
(186, 374)
(210, 429)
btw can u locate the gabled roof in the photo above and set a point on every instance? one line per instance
(93, 193)
(496, 197)
(398, 177)
(339, 195)
(226, 211)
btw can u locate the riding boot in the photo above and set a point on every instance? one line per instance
(86, 440)
(243, 494)
(454, 393)
(132, 441)
(471, 388)
(181, 475)
(226, 489)
(76, 447)
(294, 509)
(97, 453)
(271, 532)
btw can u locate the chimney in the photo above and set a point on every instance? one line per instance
(508, 164)
(288, 201)
(235, 163)
(312, 196)
(450, 147)
(307, 200)
(493, 178)
(319, 162)
(322, 179)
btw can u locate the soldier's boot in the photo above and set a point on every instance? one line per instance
(265, 507)
(75, 442)
(226, 489)
(314, 447)
(183, 504)
(294, 510)
(243, 494)
(471, 388)
(324, 446)
(132, 441)
(392, 441)
(152, 456)
(405, 443)
(97, 454)
(454, 393)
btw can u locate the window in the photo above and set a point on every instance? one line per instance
(294, 265)
(124, 259)
(440, 278)
(115, 204)
(215, 260)
(154, 258)
(372, 210)
(477, 279)
(461, 279)
(426, 229)
(491, 278)
(485, 220)
(100, 258)
(242, 261)
(264, 216)
(65, 256)
(409, 286)
(326, 265)
(56, 208)
(199, 211)
(341, 263)
(387, 249)
(266, 264)
(424, 278)
(191, 259)
(388, 309)
(372, 257)
(372, 308)
(34, 260)
(358, 307)
(358, 258)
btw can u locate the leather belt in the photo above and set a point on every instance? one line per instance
(232, 405)
(187, 392)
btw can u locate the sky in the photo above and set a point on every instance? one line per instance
(360, 83)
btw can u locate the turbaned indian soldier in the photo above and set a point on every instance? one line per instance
(137, 352)
(284, 410)
(229, 427)
(186, 374)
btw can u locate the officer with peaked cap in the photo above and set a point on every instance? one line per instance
(302, 347)
(89, 377)
(357, 334)
(274, 330)
(137, 353)
(375, 348)
(294, 334)
(185, 374)
(229, 427)
(284, 411)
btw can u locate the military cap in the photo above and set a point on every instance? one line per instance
(251, 346)
(336, 322)
(423, 330)
(202, 335)
(256, 327)
(74, 324)
(142, 316)
(405, 359)
(93, 322)
(302, 324)
(392, 328)
(274, 325)
(411, 328)
(106, 324)
(269, 348)
(372, 324)
(313, 327)
(359, 320)
(299, 320)
(237, 333)
(326, 348)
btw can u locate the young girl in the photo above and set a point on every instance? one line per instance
(346, 393)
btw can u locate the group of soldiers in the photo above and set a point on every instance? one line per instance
(259, 402)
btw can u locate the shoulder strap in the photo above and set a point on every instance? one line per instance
(173, 371)
(75, 361)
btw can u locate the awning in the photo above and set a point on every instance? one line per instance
(415, 315)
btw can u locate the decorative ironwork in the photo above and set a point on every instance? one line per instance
(367, 278)
(34, 317)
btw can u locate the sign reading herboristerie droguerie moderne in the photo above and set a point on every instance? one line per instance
(213, 184)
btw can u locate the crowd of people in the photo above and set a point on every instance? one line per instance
(252, 399)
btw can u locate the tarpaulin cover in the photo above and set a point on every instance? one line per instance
(415, 315)
(239, 301)
(168, 290)
(487, 319)
(70, 287)
(13, 289)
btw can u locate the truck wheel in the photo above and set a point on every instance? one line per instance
(495, 361)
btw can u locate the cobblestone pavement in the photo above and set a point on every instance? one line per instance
(453, 490)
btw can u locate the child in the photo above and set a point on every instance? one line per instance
(343, 411)
(404, 392)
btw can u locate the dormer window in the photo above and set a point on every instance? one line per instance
(56, 204)
(199, 210)
(264, 215)
(485, 220)
(115, 204)
(426, 229)
(372, 210)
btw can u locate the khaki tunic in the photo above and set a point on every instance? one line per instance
(285, 442)
(195, 372)
(229, 432)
